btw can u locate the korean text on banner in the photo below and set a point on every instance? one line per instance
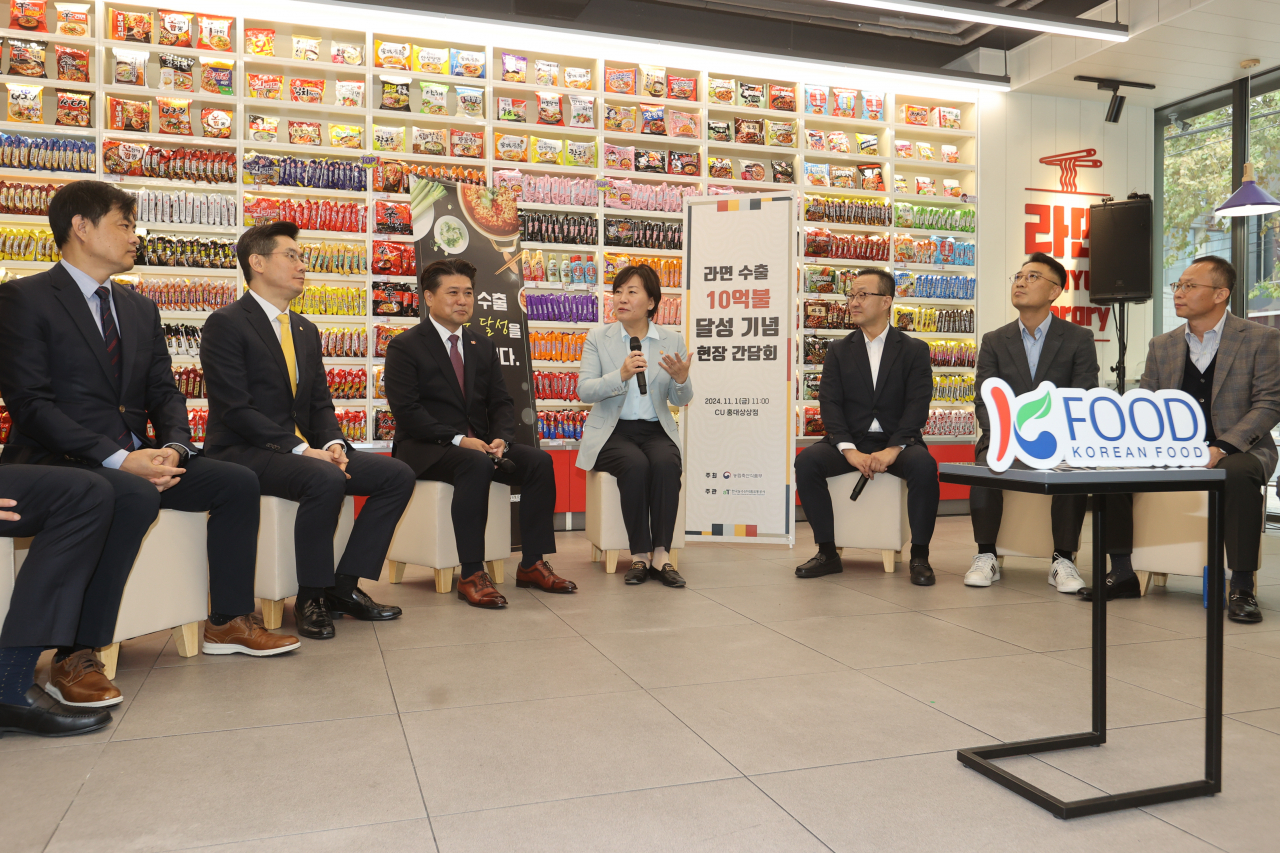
(739, 440)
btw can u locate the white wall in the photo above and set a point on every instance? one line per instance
(1015, 131)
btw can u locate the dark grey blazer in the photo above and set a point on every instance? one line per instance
(1068, 360)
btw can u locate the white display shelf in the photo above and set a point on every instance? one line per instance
(941, 132)
(909, 164)
(930, 199)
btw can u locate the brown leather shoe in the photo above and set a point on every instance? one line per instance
(246, 635)
(540, 575)
(479, 591)
(81, 681)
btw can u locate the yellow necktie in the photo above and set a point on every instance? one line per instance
(290, 359)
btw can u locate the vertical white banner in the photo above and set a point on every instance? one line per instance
(740, 439)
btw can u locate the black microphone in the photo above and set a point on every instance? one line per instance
(857, 489)
(640, 380)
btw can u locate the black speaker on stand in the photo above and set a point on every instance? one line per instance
(1120, 253)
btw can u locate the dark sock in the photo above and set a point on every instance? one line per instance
(65, 652)
(1122, 566)
(345, 584)
(987, 549)
(919, 552)
(310, 593)
(217, 620)
(1066, 555)
(469, 569)
(528, 559)
(828, 549)
(18, 673)
(1241, 580)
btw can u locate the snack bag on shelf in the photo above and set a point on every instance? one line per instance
(428, 60)
(218, 77)
(620, 81)
(387, 54)
(466, 63)
(815, 99)
(435, 99)
(844, 102)
(72, 64)
(122, 26)
(347, 54)
(73, 19)
(73, 109)
(782, 98)
(577, 78)
(175, 72)
(306, 48)
(873, 106)
(173, 115)
(215, 32)
(259, 41)
(470, 102)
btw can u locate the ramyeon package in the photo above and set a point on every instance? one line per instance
(72, 64)
(580, 154)
(815, 99)
(215, 123)
(306, 48)
(511, 109)
(173, 29)
(550, 110)
(267, 86)
(304, 132)
(514, 68)
(925, 186)
(173, 115)
(721, 91)
(817, 174)
(782, 98)
(27, 58)
(682, 88)
(868, 144)
(214, 32)
(620, 81)
(549, 151)
(348, 93)
(131, 66)
(176, 72)
(352, 136)
(838, 141)
(924, 151)
(470, 102)
(719, 131)
(683, 125)
(872, 178)
(73, 109)
(430, 140)
(844, 102)
(619, 118)
(815, 140)
(260, 41)
(622, 157)
(873, 106)
(25, 103)
(73, 19)
(305, 90)
(582, 111)
(751, 170)
(28, 15)
(649, 160)
(263, 128)
(511, 147)
(719, 167)
(384, 139)
(435, 98)
(217, 77)
(395, 94)
(751, 95)
(429, 60)
(653, 81)
(780, 133)
(687, 163)
(546, 73)
(391, 54)
(125, 26)
(653, 119)
(845, 176)
(950, 154)
(577, 78)
(466, 63)
(783, 172)
(346, 54)
(748, 131)
(466, 143)
(126, 115)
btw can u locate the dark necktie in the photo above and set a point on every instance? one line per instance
(111, 335)
(456, 357)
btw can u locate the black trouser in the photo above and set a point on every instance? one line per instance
(470, 472)
(915, 466)
(1066, 515)
(69, 514)
(1243, 513)
(228, 492)
(646, 463)
(319, 487)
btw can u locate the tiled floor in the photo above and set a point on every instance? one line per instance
(749, 712)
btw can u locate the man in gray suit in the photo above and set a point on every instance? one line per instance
(1232, 367)
(1035, 348)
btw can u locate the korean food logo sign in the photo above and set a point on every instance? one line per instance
(1098, 428)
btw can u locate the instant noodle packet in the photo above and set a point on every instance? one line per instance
(546, 73)
(684, 125)
(268, 86)
(175, 72)
(748, 131)
(546, 151)
(549, 109)
(619, 157)
(751, 95)
(719, 131)
(750, 170)
(872, 178)
(259, 41)
(682, 88)
(868, 144)
(430, 60)
(514, 68)
(844, 102)
(73, 109)
(924, 151)
(684, 163)
(577, 78)
(306, 48)
(349, 93)
(128, 115)
(131, 66)
(653, 81)
(620, 81)
(73, 19)
(838, 141)
(845, 176)
(173, 115)
(352, 136)
(435, 98)
(913, 114)
(28, 15)
(217, 77)
(395, 94)
(72, 64)
(25, 103)
(305, 90)
(26, 58)
(126, 26)
(817, 174)
(215, 122)
(511, 147)
(619, 118)
(582, 111)
(782, 98)
(650, 160)
(470, 102)
(815, 140)
(512, 109)
(873, 106)
(580, 154)
(346, 54)
(780, 133)
(429, 140)
(815, 99)
(721, 91)
(783, 172)
(950, 154)
(719, 167)
(391, 54)
(466, 63)
(304, 132)
(173, 29)
(465, 143)
(214, 32)
(653, 119)
(263, 128)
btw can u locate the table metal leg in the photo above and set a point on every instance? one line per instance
(1099, 621)
(1213, 649)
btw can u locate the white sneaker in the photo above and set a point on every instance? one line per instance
(1064, 576)
(983, 572)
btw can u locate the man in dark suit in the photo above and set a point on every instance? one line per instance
(1231, 366)
(270, 410)
(1037, 347)
(69, 513)
(83, 368)
(875, 391)
(455, 422)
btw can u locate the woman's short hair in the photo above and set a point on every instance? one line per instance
(648, 278)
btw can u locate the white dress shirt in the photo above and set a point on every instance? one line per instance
(875, 352)
(273, 317)
(1203, 352)
(444, 338)
(1033, 342)
(89, 288)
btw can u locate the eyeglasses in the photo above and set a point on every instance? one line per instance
(861, 295)
(1031, 278)
(290, 254)
(1185, 287)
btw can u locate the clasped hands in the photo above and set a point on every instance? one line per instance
(870, 464)
(335, 453)
(497, 447)
(675, 366)
(158, 466)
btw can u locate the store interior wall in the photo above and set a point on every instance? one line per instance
(1015, 131)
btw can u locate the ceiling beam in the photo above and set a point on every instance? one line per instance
(982, 13)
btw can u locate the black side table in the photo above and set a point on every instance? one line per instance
(1101, 482)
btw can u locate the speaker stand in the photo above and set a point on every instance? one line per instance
(1122, 328)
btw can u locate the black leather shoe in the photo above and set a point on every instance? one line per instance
(47, 717)
(921, 572)
(1127, 588)
(1242, 606)
(820, 565)
(668, 575)
(638, 573)
(313, 619)
(359, 605)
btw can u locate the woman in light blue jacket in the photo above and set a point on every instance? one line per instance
(630, 432)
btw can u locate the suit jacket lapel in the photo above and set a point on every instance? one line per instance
(73, 300)
(435, 346)
(1052, 343)
(1018, 353)
(467, 344)
(266, 330)
(1176, 358)
(126, 326)
(1227, 348)
(861, 361)
(301, 354)
(887, 355)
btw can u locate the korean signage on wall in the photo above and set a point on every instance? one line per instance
(739, 440)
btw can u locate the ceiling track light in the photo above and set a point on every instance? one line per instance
(997, 16)
(1107, 84)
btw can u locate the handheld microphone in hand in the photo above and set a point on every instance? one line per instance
(640, 380)
(857, 489)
